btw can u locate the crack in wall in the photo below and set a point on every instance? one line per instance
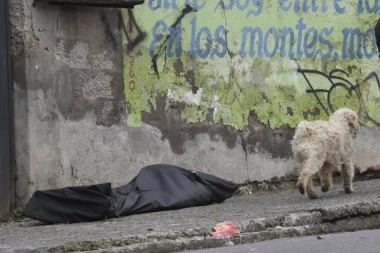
(31, 21)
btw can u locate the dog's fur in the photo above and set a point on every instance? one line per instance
(322, 146)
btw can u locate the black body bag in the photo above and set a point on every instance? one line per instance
(156, 188)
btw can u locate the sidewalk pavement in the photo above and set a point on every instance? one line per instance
(259, 216)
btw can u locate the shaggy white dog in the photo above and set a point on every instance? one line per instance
(322, 146)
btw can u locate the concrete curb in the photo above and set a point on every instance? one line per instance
(340, 218)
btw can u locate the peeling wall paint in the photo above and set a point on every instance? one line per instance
(285, 61)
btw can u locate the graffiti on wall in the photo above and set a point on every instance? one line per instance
(130, 29)
(299, 40)
(277, 58)
(355, 95)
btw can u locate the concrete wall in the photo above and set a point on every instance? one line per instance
(99, 93)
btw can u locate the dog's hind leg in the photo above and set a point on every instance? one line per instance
(325, 177)
(305, 180)
(310, 189)
(347, 176)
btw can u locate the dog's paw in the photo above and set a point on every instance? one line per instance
(301, 188)
(325, 188)
(348, 190)
(313, 196)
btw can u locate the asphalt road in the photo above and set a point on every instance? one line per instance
(366, 241)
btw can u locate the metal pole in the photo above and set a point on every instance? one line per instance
(6, 175)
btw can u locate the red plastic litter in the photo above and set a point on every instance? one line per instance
(225, 228)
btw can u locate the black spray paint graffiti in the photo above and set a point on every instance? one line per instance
(186, 10)
(129, 29)
(134, 36)
(339, 79)
(108, 29)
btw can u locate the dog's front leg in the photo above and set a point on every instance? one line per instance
(347, 176)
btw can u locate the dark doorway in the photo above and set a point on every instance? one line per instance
(6, 178)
